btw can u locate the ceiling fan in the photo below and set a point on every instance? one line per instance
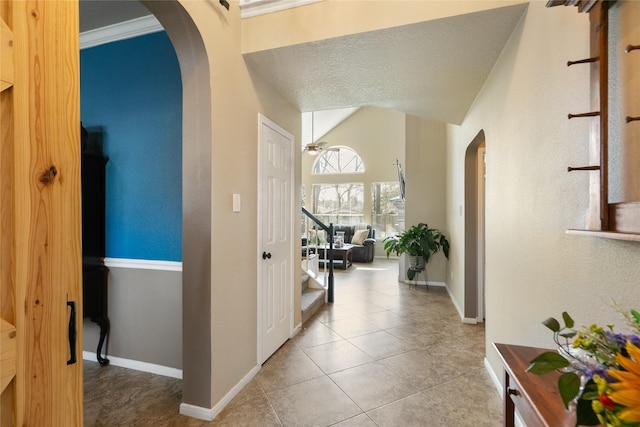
(313, 148)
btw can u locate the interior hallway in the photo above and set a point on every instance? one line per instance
(384, 354)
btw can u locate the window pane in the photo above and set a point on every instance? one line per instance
(338, 160)
(388, 209)
(339, 203)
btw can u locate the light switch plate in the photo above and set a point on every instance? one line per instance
(236, 203)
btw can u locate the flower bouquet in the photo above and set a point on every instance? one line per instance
(600, 370)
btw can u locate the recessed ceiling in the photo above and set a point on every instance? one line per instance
(432, 69)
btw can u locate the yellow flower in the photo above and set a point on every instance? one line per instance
(626, 392)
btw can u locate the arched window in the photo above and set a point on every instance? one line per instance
(336, 160)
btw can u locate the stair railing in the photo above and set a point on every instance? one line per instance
(329, 230)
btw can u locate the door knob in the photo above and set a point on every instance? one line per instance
(266, 255)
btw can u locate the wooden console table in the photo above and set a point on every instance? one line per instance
(535, 396)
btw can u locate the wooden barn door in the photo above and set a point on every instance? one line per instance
(40, 215)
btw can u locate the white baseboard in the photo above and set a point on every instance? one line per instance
(493, 376)
(423, 283)
(137, 365)
(196, 412)
(296, 329)
(208, 414)
(468, 320)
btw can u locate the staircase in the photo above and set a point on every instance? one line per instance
(313, 296)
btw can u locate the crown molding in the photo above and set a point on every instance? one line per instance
(249, 8)
(121, 31)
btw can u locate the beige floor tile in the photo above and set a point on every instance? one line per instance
(245, 410)
(380, 344)
(461, 402)
(417, 335)
(352, 327)
(315, 333)
(336, 356)
(317, 402)
(330, 313)
(384, 319)
(361, 420)
(360, 308)
(286, 367)
(421, 367)
(372, 385)
(429, 370)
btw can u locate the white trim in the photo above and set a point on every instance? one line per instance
(143, 264)
(249, 8)
(422, 282)
(121, 31)
(165, 371)
(296, 329)
(467, 320)
(493, 376)
(209, 414)
(455, 303)
(196, 412)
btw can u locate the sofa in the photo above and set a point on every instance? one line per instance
(361, 252)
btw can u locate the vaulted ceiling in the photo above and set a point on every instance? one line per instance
(432, 69)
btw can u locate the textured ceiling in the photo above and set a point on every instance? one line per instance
(101, 13)
(431, 69)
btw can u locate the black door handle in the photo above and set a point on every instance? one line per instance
(72, 332)
(266, 255)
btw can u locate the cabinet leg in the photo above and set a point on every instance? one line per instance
(103, 322)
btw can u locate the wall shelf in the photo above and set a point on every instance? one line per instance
(635, 237)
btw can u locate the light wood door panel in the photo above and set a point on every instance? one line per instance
(41, 213)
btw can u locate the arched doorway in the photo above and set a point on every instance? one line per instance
(196, 200)
(474, 185)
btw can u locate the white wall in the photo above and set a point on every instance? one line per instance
(425, 176)
(378, 136)
(533, 269)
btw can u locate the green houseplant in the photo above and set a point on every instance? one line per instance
(419, 242)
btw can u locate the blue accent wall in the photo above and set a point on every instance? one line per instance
(132, 89)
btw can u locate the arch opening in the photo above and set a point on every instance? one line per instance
(474, 186)
(196, 200)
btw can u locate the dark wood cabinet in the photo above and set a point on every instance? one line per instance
(94, 272)
(536, 397)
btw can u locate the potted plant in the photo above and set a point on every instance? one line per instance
(419, 242)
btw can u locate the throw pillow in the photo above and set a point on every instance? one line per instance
(359, 236)
(321, 236)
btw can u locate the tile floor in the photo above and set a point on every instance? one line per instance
(384, 354)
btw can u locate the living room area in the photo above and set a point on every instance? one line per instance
(352, 174)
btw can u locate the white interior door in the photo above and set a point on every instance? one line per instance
(275, 210)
